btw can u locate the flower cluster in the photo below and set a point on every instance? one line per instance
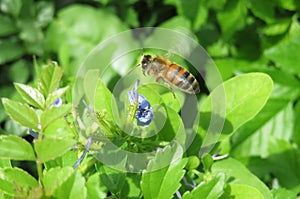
(144, 113)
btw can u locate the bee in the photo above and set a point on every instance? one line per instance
(170, 73)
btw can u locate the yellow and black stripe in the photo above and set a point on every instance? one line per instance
(181, 78)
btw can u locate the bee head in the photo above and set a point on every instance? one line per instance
(146, 59)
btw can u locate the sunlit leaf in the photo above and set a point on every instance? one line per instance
(52, 97)
(49, 79)
(50, 148)
(16, 182)
(245, 95)
(31, 95)
(53, 178)
(15, 148)
(238, 174)
(53, 114)
(211, 189)
(162, 177)
(21, 113)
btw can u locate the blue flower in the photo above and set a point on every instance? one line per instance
(58, 102)
(144, 113)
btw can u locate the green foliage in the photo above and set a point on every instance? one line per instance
(163, 182)
(255, 45)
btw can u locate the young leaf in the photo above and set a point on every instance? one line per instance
(53, 114)
(163, 175)
(31, 95)
(52, 97)
(15, 148)
(51, 148)
(16, 182)
(239, 174)
(21, 113)
(49, 79)
(211, 189)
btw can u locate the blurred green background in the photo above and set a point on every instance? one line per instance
(240, 35)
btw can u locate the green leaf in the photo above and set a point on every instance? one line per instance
(181, 23)
(162, 177)
(95, 188)
(19, 71)
(193, 10)
(133, 189)
(296, 129)
(236, 173)
(289, 4)
(277, 28)
(54, 113)
(45, 13)
(55, 177)
(244, 191)
(245, 95)
(31, 95)
(193, 162)
(73, 187)
(211, 189)
(265, 10)
(16, 182)
(103, 100)
(60, 128)
(70, 26)
(7, 26)
(15, 148)
(21, 113)
(285, 54)
(49, 79)
(207, 161)
(232, 18)
(284, 193)
(10, 50)
(12, 7)
(51, 148)
(52, 97)
(5, 163)
(113, 179)
(284, 157)
(274, 121)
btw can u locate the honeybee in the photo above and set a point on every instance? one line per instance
(170, 73)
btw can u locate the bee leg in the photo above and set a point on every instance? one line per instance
(167, 84)
(171, 88)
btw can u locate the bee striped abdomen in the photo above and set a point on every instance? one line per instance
(171, 73)
(181, 78)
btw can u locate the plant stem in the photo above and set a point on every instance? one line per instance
(130, 117)
(39, 165)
